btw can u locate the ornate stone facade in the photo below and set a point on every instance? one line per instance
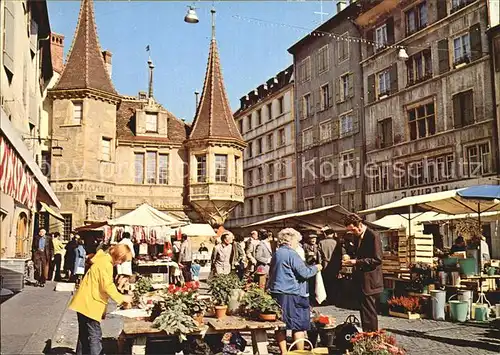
(119, 152)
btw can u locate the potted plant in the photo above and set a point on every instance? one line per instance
(141, 287)
(257, 303)
(405, 307)
(375, 343)
(185, 298)
(220, 287)
(174, 321)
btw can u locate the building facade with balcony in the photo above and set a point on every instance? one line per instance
(266, 121)
(116, 152)
(429, 118)
(329, 107)
(25, 71)
(429, 99)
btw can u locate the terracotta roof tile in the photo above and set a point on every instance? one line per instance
(85, 67)
(214, 118)
(177, 130)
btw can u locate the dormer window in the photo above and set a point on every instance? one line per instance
(151, 122)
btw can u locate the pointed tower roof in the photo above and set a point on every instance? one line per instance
(85, 67)
(214, 118)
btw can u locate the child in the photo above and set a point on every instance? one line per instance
(195, 270)
(79, 269)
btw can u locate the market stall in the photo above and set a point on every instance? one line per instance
(424, 276)
(151, 232)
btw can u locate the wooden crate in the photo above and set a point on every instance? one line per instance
(405, 315)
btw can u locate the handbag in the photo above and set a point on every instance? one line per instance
(320, 289)
(346, 331)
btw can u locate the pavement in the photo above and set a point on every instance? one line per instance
(37, 321)
(426, 336)
(29, 319)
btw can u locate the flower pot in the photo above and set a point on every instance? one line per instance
(198, 318)
(220, 311)
(267, 317)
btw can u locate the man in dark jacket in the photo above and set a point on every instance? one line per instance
(367, 269)
(43, 251)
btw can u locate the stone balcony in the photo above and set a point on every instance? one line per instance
(221, 191)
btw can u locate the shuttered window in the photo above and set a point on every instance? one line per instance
(443, 56)
(463, 109)
(9, 36)
(323, 59)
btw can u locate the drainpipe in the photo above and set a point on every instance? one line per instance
(490, 34)
(362, 124)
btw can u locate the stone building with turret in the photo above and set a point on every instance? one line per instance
(116, 152)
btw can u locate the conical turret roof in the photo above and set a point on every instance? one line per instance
(85, 67)
(214, 118)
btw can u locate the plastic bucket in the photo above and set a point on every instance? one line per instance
(450, 261)
(386, 295)
(438, 304)
(467, 266)
(466, 295)
(481, 313)
(492, 270)
(458, 311)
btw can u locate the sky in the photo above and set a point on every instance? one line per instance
(252, 36)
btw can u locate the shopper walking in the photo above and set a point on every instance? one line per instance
(186, 258)
(43, 250)
(80, 258)
(57, 261)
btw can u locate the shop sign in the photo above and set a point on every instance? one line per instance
(15, 179)
(424, 190)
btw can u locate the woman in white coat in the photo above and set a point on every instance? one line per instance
(124, 270)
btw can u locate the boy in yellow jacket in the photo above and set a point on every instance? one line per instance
(92, 297)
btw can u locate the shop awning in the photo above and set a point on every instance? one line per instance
(312, 219)
(425, 201)
(29, 169)
(49, 210)
(198, 230)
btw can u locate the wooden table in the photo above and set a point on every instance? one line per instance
(141, 330)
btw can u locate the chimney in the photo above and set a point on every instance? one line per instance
(341, 5)
(150, 85)
(197, 98)
(57, 50)
(106, 55)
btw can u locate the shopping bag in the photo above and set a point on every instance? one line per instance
(320, 289)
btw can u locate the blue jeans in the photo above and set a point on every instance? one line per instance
(89, 336)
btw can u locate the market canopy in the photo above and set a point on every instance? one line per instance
(198, 230)
(396, 221)
(428, 201)
(146, 216)
(475, 199)
(311, 219)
